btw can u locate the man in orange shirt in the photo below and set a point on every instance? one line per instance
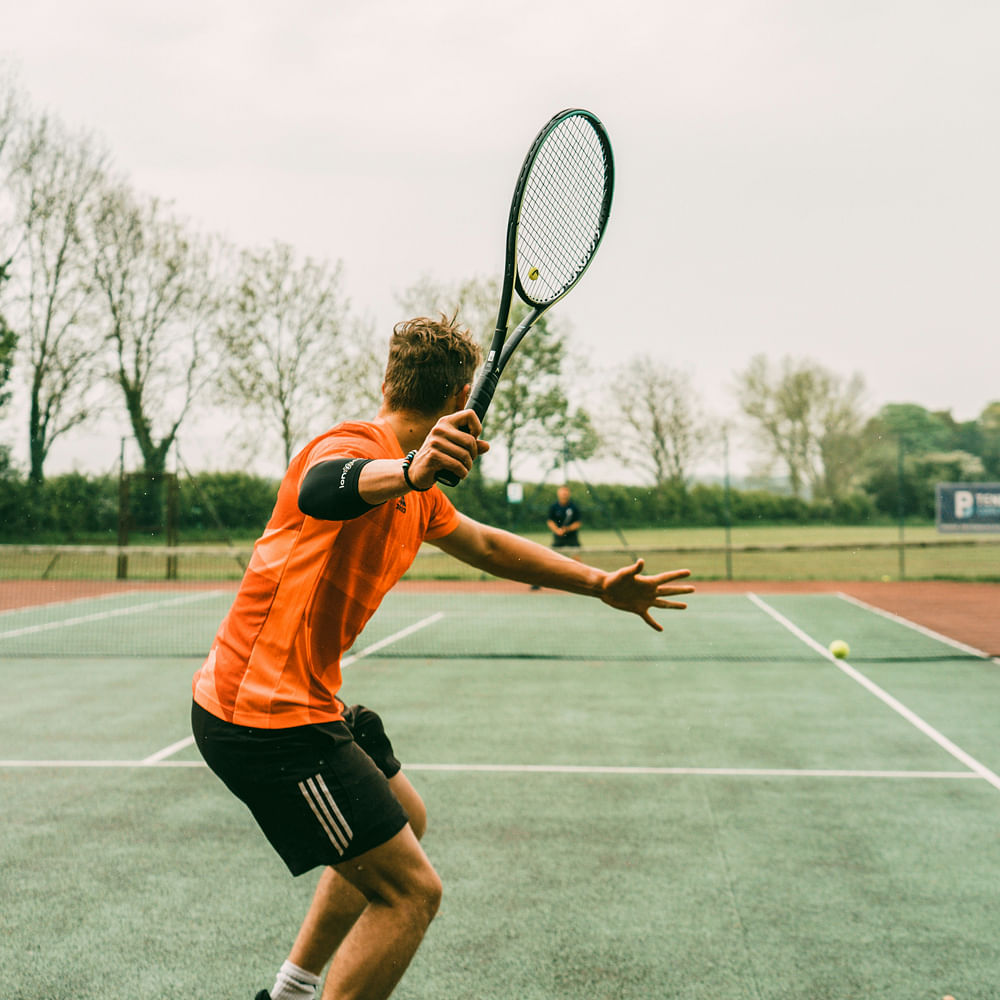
(321, 778)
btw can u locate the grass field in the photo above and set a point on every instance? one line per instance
(719, 812)
(763, 552)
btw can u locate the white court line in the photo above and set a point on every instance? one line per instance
(101, 763)
(731, 772)
(169, 751)
(155, 758)
(922, 629)
(735, 772)
(99, 616)
(897, 706)
(395, 637)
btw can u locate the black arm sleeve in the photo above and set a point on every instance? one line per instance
(330, 490)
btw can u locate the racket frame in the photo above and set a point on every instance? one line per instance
(503, 346)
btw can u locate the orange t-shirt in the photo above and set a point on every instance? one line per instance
(309, 590)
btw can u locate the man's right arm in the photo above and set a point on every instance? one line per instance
(507, 555)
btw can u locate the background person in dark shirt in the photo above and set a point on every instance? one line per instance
(564, 520)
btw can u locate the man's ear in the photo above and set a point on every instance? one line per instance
(462, 396)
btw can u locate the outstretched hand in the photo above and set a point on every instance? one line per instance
(627, 590)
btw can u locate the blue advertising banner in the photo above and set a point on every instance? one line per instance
(968, 506)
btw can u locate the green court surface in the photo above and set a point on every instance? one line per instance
(718, 812)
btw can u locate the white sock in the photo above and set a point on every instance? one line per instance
(294, 983)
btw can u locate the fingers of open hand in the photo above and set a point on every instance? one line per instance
(674, 605)
(670, 575)
(651, 621)
(665, 587)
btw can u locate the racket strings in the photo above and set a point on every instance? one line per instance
(560, 217)
(562, 209)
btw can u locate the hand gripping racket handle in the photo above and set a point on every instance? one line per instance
(479, 403)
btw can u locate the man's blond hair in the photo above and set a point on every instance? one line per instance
(429, 361)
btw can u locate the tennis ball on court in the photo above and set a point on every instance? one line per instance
(533, 274)
(840, 649)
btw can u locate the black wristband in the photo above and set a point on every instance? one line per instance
(406, 473)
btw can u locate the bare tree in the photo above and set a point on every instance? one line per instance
(282, 341)
(663, 430)
(53, 185)
(10, 122)
(842, 418)
(357, 388)
(808, 418)
(158, 286)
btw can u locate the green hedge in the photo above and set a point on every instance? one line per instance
(220, 505)
(608, 506)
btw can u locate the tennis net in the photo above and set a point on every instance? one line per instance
(952, 558)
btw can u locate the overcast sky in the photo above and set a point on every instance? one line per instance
(815, 178)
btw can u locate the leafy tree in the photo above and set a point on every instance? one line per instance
(809, 419)
(989, 440)
(933, 447)
(932, 433)
(921, 430)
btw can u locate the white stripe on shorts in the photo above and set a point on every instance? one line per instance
(324, 807)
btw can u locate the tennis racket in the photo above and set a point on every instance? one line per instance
(558, 214)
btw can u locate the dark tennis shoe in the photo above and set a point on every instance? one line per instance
(263, 995)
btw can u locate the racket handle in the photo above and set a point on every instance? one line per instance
(479, 403)
(446, 478)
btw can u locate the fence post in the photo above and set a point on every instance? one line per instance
(901, 507)
(172, 510)
(123, 524)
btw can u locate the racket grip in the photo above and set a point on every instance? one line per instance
(447, 478)
(479, 403)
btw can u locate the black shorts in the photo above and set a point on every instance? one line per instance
(320, 793)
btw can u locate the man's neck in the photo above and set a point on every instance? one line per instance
(410, 428)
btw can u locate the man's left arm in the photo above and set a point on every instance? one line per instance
(507, 555)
